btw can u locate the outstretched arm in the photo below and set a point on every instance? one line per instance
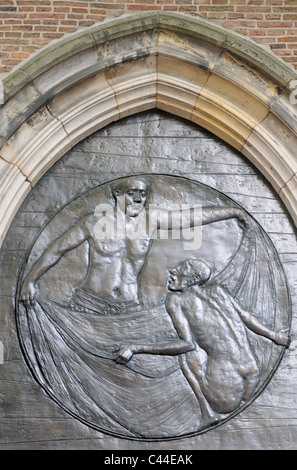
(68, 241)
(193, 217)
(184, 343)
(210, 215)
(281, 337)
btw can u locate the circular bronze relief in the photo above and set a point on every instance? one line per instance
(153, 307)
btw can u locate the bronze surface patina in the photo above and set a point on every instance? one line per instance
(178, 319)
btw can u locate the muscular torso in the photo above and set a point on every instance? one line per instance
(114, 266)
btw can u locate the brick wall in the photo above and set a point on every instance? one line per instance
(28, 25)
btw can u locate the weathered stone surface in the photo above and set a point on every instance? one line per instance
(30, 148)
(93, 105)
(12, 182)
(273, 141)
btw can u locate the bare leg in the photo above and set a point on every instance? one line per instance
(209, 416)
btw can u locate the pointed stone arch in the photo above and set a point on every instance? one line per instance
(188, 67)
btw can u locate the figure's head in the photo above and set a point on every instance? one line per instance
(135, 192)
(190, 272)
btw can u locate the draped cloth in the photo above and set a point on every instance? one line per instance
(71, 349)
(73, 356)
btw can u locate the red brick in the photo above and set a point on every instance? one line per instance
(282, 52)
(10, 48)
(4, 8)
(278, 46)
(40, 42)
(253, 8)
(15, 41)
(247, 23)
(112, 6)
(97, 11)
(63, 3)
(68, 22)
(285, 8)
(67, 29)
(274, 2)
(290, 16)
(15, 15)
(254, 16)
(184, 8)
(31, 35)
(255, 2)
(34, 2)
(19, 55)
(52, 35)
(258, 32)
(217, 8)
(86, 22)
(275, 24)
(33, 22)
(43, 9)
(10, 62)
(143, 7)
(62, 9)
(45, 28)
(80, 10)
(26, 8)
(275, 32)
(275, 16)
(47, 15)
(50, 22)
(289, 59)
(234, 16)
(13, 34)
(22, 28)
(216, 16)
(288, 39)
(96, 17)
(75, 16)
(13, 21)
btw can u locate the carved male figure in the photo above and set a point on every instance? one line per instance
(114, 264)
(215, 354)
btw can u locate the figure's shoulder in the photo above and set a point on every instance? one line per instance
(174, 300)
(214, 288)
(218, 294)
(211, 291)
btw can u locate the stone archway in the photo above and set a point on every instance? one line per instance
(184, 66)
